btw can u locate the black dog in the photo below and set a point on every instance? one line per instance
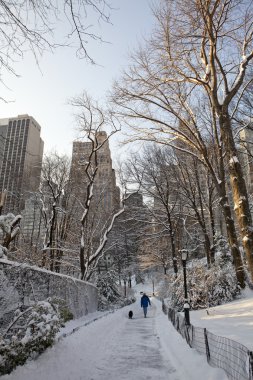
(130, 314)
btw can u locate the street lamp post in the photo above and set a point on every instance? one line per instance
(184, 254)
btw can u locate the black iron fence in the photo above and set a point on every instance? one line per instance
(234, 358)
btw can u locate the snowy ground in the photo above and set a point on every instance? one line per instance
(114, 347)
(108, 345)
(233, 320)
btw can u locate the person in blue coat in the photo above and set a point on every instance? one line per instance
(145, 301)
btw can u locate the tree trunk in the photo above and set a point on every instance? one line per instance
(207, 243)
(173, 246)
(233, 242)
(201, 216)
(82, 265)
(229, 221)
(239, 191)
(212, 225)
(207, 248)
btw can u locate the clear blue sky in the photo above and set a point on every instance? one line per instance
(43, 92)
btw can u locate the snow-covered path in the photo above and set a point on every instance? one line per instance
(117, 348)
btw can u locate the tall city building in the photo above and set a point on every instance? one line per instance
(21, 150)
(105, 192)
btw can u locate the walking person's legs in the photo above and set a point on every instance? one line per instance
(145, 311)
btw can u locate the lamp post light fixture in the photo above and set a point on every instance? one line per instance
(184, 255)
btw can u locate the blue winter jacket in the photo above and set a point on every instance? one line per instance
(145, 301)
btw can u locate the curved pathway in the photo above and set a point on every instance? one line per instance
(117, 348)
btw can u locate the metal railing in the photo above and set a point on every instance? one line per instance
(234, 358)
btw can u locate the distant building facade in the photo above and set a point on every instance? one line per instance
(105, 191)
(32, 223)
(21, 150)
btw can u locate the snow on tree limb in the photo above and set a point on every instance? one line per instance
(10, 226)
(103, 241)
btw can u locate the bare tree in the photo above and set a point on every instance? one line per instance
(33, 24)
(152, 173)
(196, 192)
(55, 177)
(92, 119)
(196, 62)
(215, 59)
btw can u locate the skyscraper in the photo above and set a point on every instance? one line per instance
(21, 149)
(105, 191)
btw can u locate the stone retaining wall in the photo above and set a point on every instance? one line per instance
(21, 284)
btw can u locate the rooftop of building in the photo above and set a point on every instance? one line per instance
(5, 121)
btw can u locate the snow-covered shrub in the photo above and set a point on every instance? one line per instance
(29, 334)
(206, 287)
(109, 295)
(65, 314)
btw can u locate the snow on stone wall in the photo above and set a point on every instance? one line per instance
(21, 284)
